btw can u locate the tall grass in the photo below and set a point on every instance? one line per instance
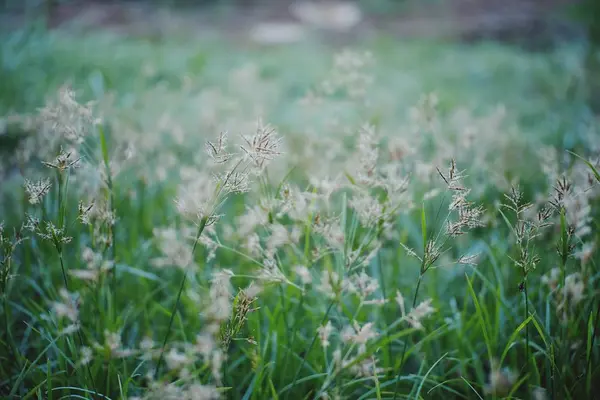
(177, 246)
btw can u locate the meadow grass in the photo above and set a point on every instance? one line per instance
(224, 220)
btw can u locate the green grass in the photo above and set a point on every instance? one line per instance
(482, 322)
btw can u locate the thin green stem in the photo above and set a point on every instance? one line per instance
(176, 305)
(79, 336)
(589, 360)
(399, 370)
(527, 325)
(312, 343)
(12, 346)
(384, 294)
(290, 347)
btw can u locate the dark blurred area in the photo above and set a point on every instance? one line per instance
(532, 25)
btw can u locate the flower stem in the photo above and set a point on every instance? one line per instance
(294, 333)
(414, 303)
(11, 344)
(312, 343)
(527, 325)
(79, 337)
(176, 305)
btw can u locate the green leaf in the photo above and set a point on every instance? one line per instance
(479, 314)
(424, 229)
(427, 374)
(513, 336)
(589, 164)
(103, 145)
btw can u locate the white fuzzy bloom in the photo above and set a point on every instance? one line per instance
(574, 288)
(271, 271)
(400, 301)
(86, 355)
(469, 259)
(357, 334)
(304, 274)
(175, 251)
(68, 307)
(176, 360)
(219, 308)
(364, 285)
(417, 314)
(262, 147)
(324, 333)
(37, 190)
(368, 208)
(202, 392)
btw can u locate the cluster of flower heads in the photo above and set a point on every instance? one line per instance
(345, 215)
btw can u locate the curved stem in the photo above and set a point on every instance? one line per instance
(12, 346)
(414, 303)
(527, 325)
(176, 305)
(312, 343)
(79, 336)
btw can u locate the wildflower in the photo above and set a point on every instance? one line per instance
(31, 223)
(304, 274)
(7, 247)
(196, 199)
(469, 259)
(366, 368)
(551, 278)
(364, 285)
(417, 314)
(349, 74)
(279, 237)
(66, 118)
(363, 333)
(324, 333)
(432, 252)
(252, 244)
(205, 345)
(368, 155)
(113, 345)
(234, 182)
(86, 356)
(197, 391)
(585, 252)
(218, 150)
(175, 252)
(241, 308)
(37, 190)
(500, 380)
(176, 360)
(52, 233)
(271, 272)
(68, 307)
(368, 208)
(540, 393)
(358, 335)
(95, 266)
(62, 162)
(401, 304)
(330, 281)
(263, 146)
(574, 288)
(147, 346)
(331, 231)
(216, 364)
(425, 111)
(83, 212)
(220, 296)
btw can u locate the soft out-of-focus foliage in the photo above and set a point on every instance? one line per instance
(209, 219)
